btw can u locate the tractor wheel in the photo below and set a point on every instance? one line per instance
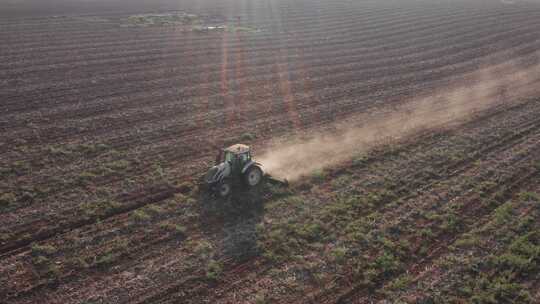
(253, 176)
(224, 188)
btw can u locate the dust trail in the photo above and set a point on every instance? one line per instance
(480, 91)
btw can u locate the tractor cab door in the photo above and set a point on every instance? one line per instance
(243, 159)
(229, 157)
(233, 160)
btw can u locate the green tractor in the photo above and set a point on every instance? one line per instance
(235, 167)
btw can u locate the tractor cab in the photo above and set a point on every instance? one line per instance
(236, 155)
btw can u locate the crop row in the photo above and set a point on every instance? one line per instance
(389, 48)
(333, 29)
(296, 22)
(173, 154)
(405, 177)
(309, 229)
(342, 78)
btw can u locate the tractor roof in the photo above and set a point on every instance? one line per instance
(237, 149)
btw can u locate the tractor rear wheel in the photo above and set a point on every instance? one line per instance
(224, 188)
(253, 176)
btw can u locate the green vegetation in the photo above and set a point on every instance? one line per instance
(18, 167)
(244, 29)
(387, 263)
(492, 262)
(346, 226)
(467, 241)
(99, 209)
(530, 196)
(4, 236)
(523, 255)
(140, 216)
(401, 283)
(77, 149)
(318, 176)
(111, 254)
(41, 259)
(503, 213)
(46, 250)
(498, 290)
(224, 28)
(85, 176)
(58, 151)
(7, 199)
(155, 210)
(117, 165)
(339, 254)
(261, 299)
(203, 249)
(166, 19)
(175, 228)
(105, 259)
(214, 270)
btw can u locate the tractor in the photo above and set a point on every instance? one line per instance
(235, 167)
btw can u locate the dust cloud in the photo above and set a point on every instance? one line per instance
(496, 85)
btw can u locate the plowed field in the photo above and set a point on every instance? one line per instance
(111, 110)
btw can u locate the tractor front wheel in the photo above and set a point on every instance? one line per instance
(253, 176)
(224, 188)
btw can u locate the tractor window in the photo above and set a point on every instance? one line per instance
(229, 156)
(244, 157)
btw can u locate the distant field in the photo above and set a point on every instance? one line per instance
(111, 110)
